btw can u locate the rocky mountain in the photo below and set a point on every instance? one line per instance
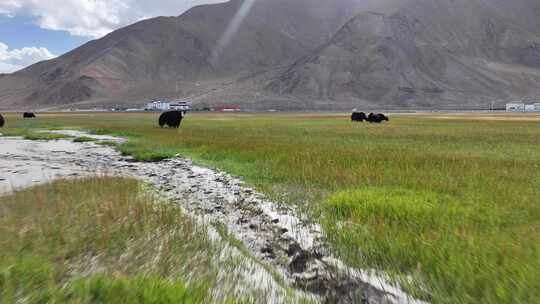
(300, 54)
(428, 53)
(179, 56)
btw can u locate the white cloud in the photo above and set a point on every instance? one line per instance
(94, 18)
(13, 60)
(7, 7)
(8, 68)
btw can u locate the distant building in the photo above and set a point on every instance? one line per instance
(164, 105)
(228, 108)
(159, 105)
(522, 107)
(515, 107)
(180, 105)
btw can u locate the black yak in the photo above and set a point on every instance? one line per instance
(358, 116)
(29, 115)
(171, 118)
(377, 118)
(2, 121)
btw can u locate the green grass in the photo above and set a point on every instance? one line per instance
(32, 134)
(36, 282)
(44, 136)
(100, 240)
(107, 143)
(452, 203)
(84, 139)
(462, 247)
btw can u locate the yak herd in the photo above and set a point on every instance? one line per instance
(173, 119)
(372, 118)
(25, 115)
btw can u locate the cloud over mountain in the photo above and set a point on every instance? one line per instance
(16, 59)
(94, 18)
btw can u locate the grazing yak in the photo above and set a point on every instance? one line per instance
(29, 115)
(358, 116)
(2, 121)
(377, 118)
(171, 118)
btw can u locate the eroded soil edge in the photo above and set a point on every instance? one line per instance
(273, 234)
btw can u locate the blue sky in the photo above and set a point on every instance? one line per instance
(31, 31)
(21, 31)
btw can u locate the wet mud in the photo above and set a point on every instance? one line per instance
(25, 163)
(278, 236)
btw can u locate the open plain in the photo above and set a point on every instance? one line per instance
(445, 205)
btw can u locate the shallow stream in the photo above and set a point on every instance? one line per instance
(275, 236)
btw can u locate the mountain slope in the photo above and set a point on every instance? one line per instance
(301, 54)
(428, 53)
(171, 56)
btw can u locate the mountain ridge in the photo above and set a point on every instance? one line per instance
(407, 65)
(300, 55)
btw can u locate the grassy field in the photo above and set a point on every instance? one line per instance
(448, 204)
(99, 240)
(110, 240)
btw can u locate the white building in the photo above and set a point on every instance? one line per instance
(163, 105)
(522, 107)
(180, 106)
(159, 105)
(515, 107)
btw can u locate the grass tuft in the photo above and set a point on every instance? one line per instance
(44, 136)
(84, 139)
(455, 246)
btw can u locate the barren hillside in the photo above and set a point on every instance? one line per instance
(302, 54)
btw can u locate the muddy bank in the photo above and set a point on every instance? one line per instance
(25, 163)
(275, 236)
